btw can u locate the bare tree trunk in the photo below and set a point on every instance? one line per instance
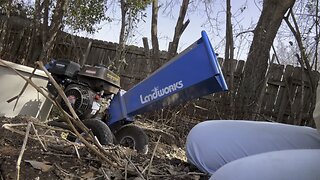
(147, 54)
(304, 59)
(121, 45)
(300, 113)
(180, 27)
(45, 23)
(304, 62)
(34, 34)
(229, 51)
(154, 29)
(317, 36)
(3, 32)
(257, 62)
(55, 27)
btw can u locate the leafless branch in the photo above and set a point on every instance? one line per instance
(36, 132)
(153, 153)
(244, 32)
(23, 148)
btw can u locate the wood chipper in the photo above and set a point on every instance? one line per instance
(95, 94)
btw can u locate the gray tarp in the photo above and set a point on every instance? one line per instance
(302, 164)
(231, 149)
(212, 144)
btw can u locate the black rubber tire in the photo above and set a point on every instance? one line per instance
(136, 135)
(100, 130)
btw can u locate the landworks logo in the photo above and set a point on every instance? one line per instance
(157, 93)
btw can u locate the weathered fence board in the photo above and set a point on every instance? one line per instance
(283, 95)
(275, 73)
(238, 75)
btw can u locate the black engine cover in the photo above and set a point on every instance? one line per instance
(64, 68)
(81, 99)
(100, 78)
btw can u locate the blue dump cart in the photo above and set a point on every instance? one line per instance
(193, 73)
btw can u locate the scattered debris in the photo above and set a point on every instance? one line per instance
(60, 157)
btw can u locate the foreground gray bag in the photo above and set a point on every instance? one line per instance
(234, 149)
(301, 164)
(212, 144)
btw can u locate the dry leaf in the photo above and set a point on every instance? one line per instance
(88, 175)
(138, 178)
(172, 170)
(43, 166)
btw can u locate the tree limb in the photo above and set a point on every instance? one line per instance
(23, 148)
(180, 27)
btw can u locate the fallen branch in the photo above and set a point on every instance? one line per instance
(13, 125)
(134, 166)
(57, 154)
(77, 152)
(8, 127)
(126, 170)
(153, 153)
(22, 150)
(36, 132)
(65, 173)
(104, 174)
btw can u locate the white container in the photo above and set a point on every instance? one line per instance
(31, 102)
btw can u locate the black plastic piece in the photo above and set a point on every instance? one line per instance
(64, 67)
(99, 78)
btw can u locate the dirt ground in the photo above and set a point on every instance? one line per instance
(58, 158)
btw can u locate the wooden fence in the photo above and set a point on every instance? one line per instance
(286, 97)
(136, 65)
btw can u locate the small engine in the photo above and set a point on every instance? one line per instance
(89, 89)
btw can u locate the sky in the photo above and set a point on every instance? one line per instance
(166, 24)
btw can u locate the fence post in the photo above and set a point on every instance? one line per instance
(86, 54)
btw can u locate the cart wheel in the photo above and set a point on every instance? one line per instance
(100, 130)
(134, 137)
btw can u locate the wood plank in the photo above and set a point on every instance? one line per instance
(225, 98)
(111, 54)
(92, 56)
(238, 76)
(296, 104)
(283, 95)
(97, 56)
(220, 61)
(275, 74)
(231, 92)
(316, 77)
(225, 70)
(130, 69)
(293, 89)
(307, 101)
